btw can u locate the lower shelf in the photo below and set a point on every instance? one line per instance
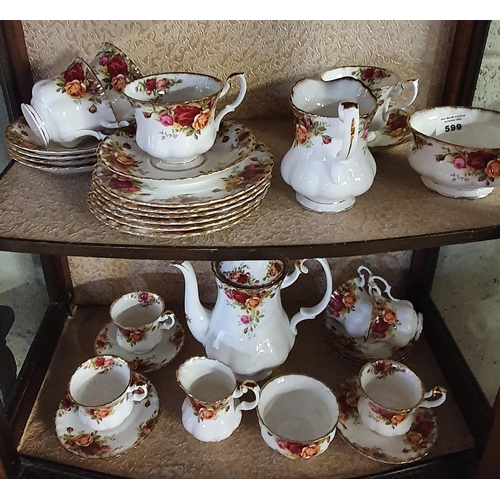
(170, 452)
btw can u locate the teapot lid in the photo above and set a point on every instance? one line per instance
(249, 273)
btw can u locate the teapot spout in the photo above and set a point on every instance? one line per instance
(197, 316)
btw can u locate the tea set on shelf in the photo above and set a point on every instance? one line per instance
(165, 164)
(384, 413)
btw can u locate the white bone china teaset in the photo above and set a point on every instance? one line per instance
(162, 153)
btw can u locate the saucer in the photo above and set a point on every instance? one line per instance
(171, 343)
(120, 153)
(395, 132)
(78, 438)
(19, 134)
(228, 184)
(410, 447)
(358, 349)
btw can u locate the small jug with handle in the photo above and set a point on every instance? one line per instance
(248, 328)
(329, 163)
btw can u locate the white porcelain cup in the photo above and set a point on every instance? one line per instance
(176, 113)
(69, 107)
(140, 318)
(297, 415)
(105, 390)
(391, 394)
(212, 409)
(386, 86)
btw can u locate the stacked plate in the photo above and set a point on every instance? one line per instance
(138, 194)
(25, 148)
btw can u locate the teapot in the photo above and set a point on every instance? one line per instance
(248, 328)
(329, 162)
(367, 323)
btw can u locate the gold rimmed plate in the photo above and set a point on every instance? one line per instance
(226, 185)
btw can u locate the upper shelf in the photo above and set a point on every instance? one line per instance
(45, 213)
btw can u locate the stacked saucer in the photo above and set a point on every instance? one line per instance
(24, 147)
(138, 194)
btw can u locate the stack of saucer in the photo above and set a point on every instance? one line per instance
(25, 148)
(138, 194)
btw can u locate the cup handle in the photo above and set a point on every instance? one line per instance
(247, 385)
(138, 391)
(396, 91)
(438, 390)
(231, 107)
(167, 320)
(312, 312)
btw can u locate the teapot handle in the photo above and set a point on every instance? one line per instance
(312, 312)
(396, 91)
(231, 107)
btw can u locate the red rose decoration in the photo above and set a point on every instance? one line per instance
(185, 115)
(396, 122)
(379, 328)
(150, 85)
(479, 159)
(368, 73)
(74, 73)
(117, 66)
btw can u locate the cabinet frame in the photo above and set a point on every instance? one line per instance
(464, 66)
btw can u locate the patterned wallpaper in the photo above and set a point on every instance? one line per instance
(273, 55)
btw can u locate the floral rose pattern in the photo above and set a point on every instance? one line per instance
(306, 127)
(397, 124)
(422, 433)
(208, 412)
(114, 154)
(187, 119)
(78, 82)
(86, 444)
(296, 450)
(249, 301)
(484, 164)
(370, 75)
(343, 300)
(115, 70)
(384, 321)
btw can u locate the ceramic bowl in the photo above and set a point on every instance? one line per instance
(456, 150)
(297, 416)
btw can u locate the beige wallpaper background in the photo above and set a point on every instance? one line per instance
(273, 55)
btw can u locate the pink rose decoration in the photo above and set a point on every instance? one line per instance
(459, 162)
(166, 120)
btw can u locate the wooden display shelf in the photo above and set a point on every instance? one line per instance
(46, 213)
(170, 452)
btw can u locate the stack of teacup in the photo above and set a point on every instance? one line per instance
(69, 113)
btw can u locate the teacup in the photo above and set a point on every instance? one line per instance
(140, 318)
(175, 114)
(385, 85)
(212, 411)
(114, 70)
(105, 390)
(391, 394)
(69, 107)
(297, 416)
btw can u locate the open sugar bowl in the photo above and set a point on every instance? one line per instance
(297, 416)
(456, 150)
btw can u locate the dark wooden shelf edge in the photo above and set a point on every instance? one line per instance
(160, 251)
